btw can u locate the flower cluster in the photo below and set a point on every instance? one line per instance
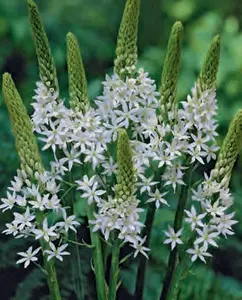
(32, 199)
(171, 147)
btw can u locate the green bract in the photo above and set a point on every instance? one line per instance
(25, 140)
(232, 145)
(126, 50)
(126, 173)
(77, 79)
(47, 68)
(208, 74)
(169, 79)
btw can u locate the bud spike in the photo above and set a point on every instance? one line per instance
(208, 74)
(232, 145)
(169, 78)
(46, 62)
(24, 138)
(77, 77)
(126, 50)
(126, 173)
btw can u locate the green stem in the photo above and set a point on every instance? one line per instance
(97, 256)
(184, 265)
(140, 280)
(49, 266)
(75, 254)
(52, 279)
(114, 271)
(173, 258)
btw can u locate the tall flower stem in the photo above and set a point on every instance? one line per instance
(97, 256)
(49, 266)
(184, 265)
(140, 280)
(75, 255)
(51, 278)
(173, 258)
(114, 270)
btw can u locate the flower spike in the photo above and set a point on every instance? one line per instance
(46, 63)
(169, 78)
(77, 78)
(126, 50)
(25, 140)
(231, 148)
(126, 173)
(207, 77)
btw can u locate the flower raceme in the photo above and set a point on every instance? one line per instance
(131, 149)
(85, 138)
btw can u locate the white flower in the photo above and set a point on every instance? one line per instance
(11, 229)
(68, 222)
(92, 194)
(140, 248)
(53, 203)
(17, 184)
(158, 198)
(22, 220)
(126, 115)
(199, 140)
(110, 167)
(173, 237)
(206, 237)
(40, 202)
(45, 232)
(28, 256)
(193, 218)
(210, 152)
(57, 252)
(146, 183)
(214, 209)
(71, 157)
(173, 176)
(223, 224)
(94, 155)
(198, 253)
(199, 194)
(8, 202)
(85, 182)
(196, 154)
(52, 187)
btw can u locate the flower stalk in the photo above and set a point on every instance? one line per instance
(140, 278)
(31, 161)
(97, 256)
(114, 270)
(173, 258)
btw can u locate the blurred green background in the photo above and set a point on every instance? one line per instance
(95, 23)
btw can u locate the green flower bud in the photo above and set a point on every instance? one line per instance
(126, 50)
(169, 78)
(207, 77)
(25, 140)
(77, 78)
(46, 63)
(232, 145)
(126, 173)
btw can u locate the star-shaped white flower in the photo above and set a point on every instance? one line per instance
(57, 252)
(158, 198)
(45, 232)
(173, 237)
(193, 218)
(206, 237)
(28, 256)
(198, 252)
